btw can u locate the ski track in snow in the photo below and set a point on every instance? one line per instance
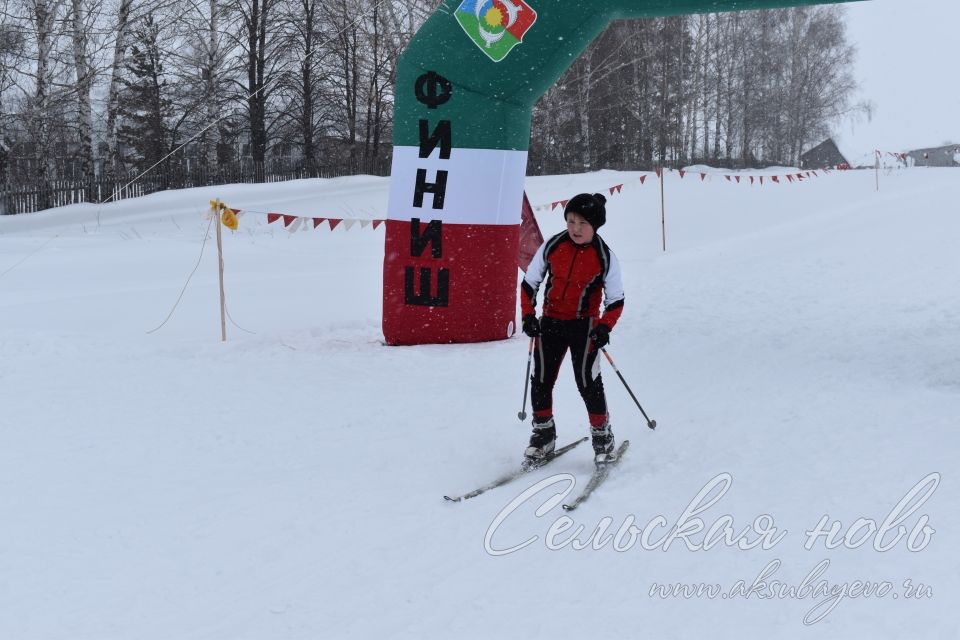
(288, 483)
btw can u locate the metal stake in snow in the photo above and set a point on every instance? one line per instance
(223, 305)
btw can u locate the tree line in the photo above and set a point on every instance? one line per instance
(99, 89)
(731, 89)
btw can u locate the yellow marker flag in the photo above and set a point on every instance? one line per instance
(228, 216)
(229, 219)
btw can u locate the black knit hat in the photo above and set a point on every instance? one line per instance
(591, 207)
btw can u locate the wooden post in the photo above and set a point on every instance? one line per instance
(876, 164)
(663, 214)
(223, 304)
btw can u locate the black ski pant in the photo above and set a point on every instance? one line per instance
(556, 337)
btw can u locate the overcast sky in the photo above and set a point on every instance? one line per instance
(908, 54)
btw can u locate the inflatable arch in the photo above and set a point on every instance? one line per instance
(466, 86)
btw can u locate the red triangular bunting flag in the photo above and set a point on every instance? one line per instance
(682, 173)
(563, 203)
(642, 178)
(751, 179)
(814, 174)
(775, 179)
(703, 177)
(288, 220)
(789, 178)
(530, 235)
(727, 177)
(659, 172)
(553, 205)
(334, 222)
(800, 176)
(619, 188)
(377, 223)
(737, 178)
(761, 180)
(317, 221)
(272, 217)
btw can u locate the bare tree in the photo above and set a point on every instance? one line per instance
(43, 16)
(259, 43)
(81, 18)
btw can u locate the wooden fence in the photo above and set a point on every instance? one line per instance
(26, 196)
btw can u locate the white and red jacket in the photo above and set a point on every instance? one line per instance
(576, 276)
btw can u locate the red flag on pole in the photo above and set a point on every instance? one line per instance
(530, 236)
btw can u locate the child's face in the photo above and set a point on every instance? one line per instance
(579, 229)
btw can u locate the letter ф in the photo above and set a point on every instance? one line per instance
(432, 89)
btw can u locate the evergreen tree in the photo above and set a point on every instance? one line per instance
(146, 106)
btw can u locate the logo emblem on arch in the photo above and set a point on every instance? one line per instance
(496, 26)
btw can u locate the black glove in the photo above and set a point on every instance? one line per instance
(531, 326)
(600, 336)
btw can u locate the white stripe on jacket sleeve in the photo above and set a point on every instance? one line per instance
(537, 269)
(613, 284)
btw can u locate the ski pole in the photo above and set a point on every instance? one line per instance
(522, 414)
(650, 423)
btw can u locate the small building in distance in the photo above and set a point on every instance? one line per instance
(825, 154)
(945, 156)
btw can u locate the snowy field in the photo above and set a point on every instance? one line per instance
(802, 338)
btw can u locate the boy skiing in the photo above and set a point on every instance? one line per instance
(578, 266)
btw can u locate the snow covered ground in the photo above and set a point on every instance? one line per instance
(802, 338)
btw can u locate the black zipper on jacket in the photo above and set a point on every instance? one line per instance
(566, 284)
